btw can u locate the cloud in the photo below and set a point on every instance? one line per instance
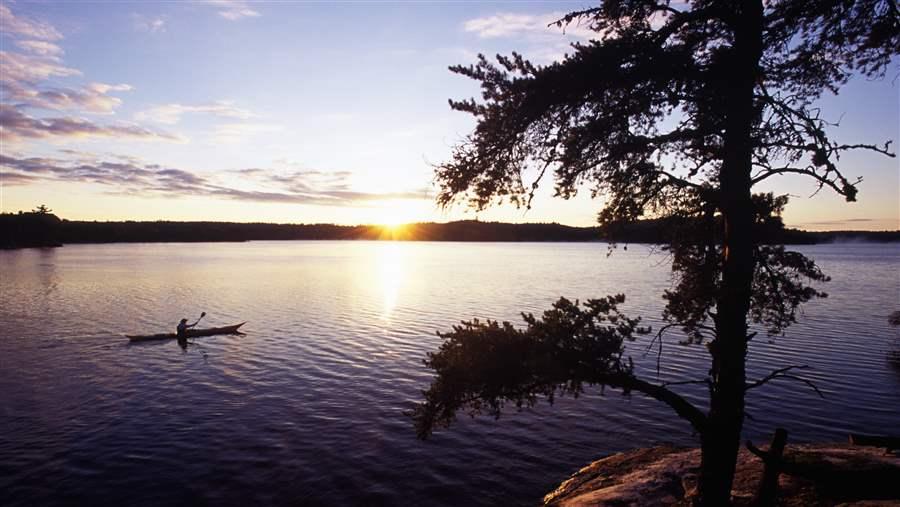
(32, 69)
(16, 126)
(844, 224)
(530, 26)
(841, 221)
(24, 27)
(11, 179)
(92, 98)
(29, 81)
(131, 176)
(171, 113)
(148, 24)
(233, 10)
(126, 176)
(333, 184)
(23, 75)
(543, 41)
(235, 133)
(40, 47)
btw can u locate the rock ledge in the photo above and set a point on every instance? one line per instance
(824, 474)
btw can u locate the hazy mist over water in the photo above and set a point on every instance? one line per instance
(308, 406)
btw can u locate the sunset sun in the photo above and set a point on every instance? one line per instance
(395, 214)
(393, 221)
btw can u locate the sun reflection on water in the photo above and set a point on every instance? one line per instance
(391, 262)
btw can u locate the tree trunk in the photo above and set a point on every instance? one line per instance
(720, 441)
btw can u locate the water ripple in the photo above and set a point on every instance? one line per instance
(308, 406)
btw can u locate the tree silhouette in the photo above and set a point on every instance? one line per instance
(42, 210)
(672, 112)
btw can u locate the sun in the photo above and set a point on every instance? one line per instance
(392, 222)
(397, 218)
(395, 214)
(394, 230)
(394, 219)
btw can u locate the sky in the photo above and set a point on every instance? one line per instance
(307, 112)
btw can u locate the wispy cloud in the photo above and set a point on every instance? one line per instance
(24, 27)
(32, 69)
(92, 98)
(303, 181)
(886, 222)
(148, 24)
(544, 41)
(11, 179)
(233, 9)
(512, 25)
(236, 133)
(842, 221)
(172, 113)
(40, 47)
(16, 126)
(130, 176)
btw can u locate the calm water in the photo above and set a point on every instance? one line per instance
(308, 406)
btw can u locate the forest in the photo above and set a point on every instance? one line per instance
(44, 229)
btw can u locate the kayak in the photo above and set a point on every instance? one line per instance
(190, 333)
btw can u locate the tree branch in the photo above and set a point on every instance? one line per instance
(681, 406)
(823, 181)
(782, 373)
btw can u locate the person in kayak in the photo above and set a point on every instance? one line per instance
(183, 326)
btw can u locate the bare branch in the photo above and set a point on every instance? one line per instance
(704, 381)
(681, 406)
(782, 373)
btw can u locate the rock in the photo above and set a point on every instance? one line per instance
(821, 474)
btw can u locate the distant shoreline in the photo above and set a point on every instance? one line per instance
(28, 230)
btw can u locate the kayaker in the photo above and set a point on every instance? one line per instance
(182, 328)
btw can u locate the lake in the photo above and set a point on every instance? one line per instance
(308, 407)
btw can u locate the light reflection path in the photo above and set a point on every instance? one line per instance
(391, 262)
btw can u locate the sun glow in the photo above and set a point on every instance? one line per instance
(393, 223)
(393, 219)
(395, 213)
(396, 231)
(391, 262)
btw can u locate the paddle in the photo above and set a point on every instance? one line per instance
(202, 314)
(184, 346)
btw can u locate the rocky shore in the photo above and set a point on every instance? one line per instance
(823, 474)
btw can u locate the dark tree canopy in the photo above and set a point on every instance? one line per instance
(674, 111)
(639, 113)
(484, 365)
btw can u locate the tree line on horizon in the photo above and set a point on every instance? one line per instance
(42, 228)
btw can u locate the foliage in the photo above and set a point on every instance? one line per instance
(483, 365)
(37, 228)
(16, 229)
(599, 116)
(894, 319)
